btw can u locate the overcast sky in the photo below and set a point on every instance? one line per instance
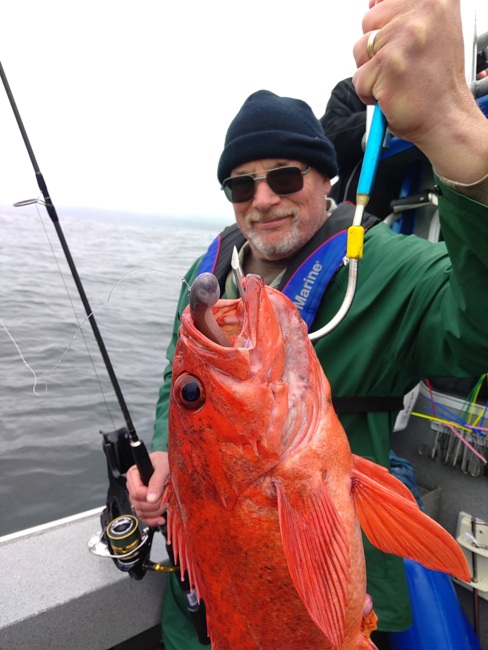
(126, 103)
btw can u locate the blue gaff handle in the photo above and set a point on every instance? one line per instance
(372, 153)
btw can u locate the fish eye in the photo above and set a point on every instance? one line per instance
(189, 391)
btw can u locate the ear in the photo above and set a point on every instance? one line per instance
(327, 185)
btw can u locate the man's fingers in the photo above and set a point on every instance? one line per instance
(146, 500)
(137, 489)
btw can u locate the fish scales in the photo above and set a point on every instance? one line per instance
(265, 498)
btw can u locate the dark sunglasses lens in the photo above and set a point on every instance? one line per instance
(286, 180)
(283, 181)
(239, 189)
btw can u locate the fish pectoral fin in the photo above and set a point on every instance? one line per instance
(317, 552)
(393, 522)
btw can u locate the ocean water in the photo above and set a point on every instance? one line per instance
(51, 459)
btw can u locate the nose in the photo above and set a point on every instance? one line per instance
(264, 197)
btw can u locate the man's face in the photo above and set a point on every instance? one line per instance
(279, 226)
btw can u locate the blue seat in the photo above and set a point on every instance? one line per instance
(439, 621)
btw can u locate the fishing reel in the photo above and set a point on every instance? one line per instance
(124, 537)
(124, 541)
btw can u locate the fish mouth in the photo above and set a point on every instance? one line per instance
(261, 339)
(259, 334)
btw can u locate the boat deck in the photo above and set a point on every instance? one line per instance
(58, 595)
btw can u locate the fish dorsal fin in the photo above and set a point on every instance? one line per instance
(393, 522)
(317, 552)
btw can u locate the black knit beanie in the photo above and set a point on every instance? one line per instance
(268, 126)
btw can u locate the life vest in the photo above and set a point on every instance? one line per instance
(305, 281)
(307, 276)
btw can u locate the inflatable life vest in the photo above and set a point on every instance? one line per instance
(305, 281)
(306, 278)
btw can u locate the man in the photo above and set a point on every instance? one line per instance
(420, 308)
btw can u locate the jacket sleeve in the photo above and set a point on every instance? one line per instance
(445, 311)
(344, 123)
(160, 436)
(464, 224)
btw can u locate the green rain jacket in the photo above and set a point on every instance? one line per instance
(420, 310)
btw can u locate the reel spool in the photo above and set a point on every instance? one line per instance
(125, 538)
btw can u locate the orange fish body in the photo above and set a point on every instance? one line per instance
(265, 499)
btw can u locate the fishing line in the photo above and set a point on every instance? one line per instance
(51, 370)
(102, 306)
(36, 202)
(28, 366)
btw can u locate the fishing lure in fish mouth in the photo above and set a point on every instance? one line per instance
(204, 294)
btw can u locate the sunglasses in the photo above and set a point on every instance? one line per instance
(282, 181)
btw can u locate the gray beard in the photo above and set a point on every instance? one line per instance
(284, 247)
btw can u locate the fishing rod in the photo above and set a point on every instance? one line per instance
(139, 451)
(123, 447)
(121, 538)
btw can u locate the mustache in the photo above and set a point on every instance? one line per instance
(276, 213)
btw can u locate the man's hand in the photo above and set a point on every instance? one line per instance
(147, 500)
(416, 73)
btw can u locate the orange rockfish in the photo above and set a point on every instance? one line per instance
(265, 500)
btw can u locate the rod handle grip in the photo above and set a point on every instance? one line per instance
(142, 460)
